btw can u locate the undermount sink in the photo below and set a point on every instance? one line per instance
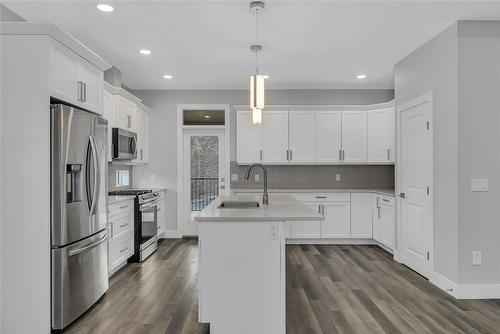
(239, 205)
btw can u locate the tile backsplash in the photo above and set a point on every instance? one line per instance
(318, 177)
(112, 168)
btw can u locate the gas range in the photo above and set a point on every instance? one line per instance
(144, 195)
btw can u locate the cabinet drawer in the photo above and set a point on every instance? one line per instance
(121, 209)
(120, 249)
(323, 197)
(121, 225)
(385, 200)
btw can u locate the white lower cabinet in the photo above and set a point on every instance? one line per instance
(121, 234)
(384, 220)
(337, 220)
(306, 229)
(361, 215)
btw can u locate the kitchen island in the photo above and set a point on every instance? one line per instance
(242, 262)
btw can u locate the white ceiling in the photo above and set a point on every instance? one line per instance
(205, 44)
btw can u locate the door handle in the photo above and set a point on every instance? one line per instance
(95, 158)
(402, 195)
(86, 248)
(84, 99)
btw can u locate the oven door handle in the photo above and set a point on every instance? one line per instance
(148, 206)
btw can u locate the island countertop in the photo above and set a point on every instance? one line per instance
(280, 208)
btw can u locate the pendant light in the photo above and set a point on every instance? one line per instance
(256, 80)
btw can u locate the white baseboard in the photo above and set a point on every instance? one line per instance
(173, 234)
(444, 284)
(466, 291)
(478, 291)
(330, 242)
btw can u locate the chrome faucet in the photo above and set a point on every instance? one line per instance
(265, 196)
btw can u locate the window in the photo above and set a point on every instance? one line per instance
(203, 117)
(122, 178)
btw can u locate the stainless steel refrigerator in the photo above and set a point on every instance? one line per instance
(79, 273)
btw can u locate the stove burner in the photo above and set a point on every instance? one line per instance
(130, 192)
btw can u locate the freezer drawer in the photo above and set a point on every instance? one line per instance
(79, 278)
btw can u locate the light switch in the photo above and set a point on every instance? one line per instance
(479, 184)
(234, 177)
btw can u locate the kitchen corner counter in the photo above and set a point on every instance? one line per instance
(386, 192)
(280, 208)
(119, 199)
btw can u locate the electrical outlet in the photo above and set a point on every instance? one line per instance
(337, 177)
(257, 177)
(152, 177)
(476, 258)
(234, 177)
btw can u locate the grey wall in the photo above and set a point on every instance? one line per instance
(318, 177)
(479, 150)
(163, 132)
(6, 15)
(461, 66)
(433, 68)
(112, 168)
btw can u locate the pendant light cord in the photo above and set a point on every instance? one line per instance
(257, 40)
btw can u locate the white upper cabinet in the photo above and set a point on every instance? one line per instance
(126, 115)
(275, 136)
(381, 135)
(328, 136)
(248, 138)
(92, 86)
(74, 80)
(142, 129)
(361, 215)
(109, 113)
(302, 137)
(354, 137)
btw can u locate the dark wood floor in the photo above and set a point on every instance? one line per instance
(330, 289)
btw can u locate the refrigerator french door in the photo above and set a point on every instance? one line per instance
(79, 273)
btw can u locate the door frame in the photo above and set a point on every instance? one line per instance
(181, 129)
(422, 99)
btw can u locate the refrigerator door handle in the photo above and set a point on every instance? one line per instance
(86, 248)
(95, 191)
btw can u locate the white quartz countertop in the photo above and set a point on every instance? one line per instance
(280, 208)
(387, 192)
(119, 199)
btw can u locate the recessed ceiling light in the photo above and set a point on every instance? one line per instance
(167, 76)
(145, 51)
(266, 76)
(207, 116)
(361, 76)
(105, 8)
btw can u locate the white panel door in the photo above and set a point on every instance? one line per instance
(337, 223)
(92, 79)
(248, 139)
(361, 215)
(306, 229)
(328, 136)
(302, 136)
(381, 135)
(275, 136)
(109, 113)
(354, 137)
(415, 176)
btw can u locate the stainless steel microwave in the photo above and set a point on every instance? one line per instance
(124, 144)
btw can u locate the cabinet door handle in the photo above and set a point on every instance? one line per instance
(142, 154)
(129, 121)
(291, 155)
(79, 91)
(378, 213)
(123, 250)
(340, 155)
(319, 209)
(84, 92)
(123, 225)
(320, 196)
(323, 210)
(288, 155)
(123, 206)
(261, 155)
(388, 154)
(343, 155)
